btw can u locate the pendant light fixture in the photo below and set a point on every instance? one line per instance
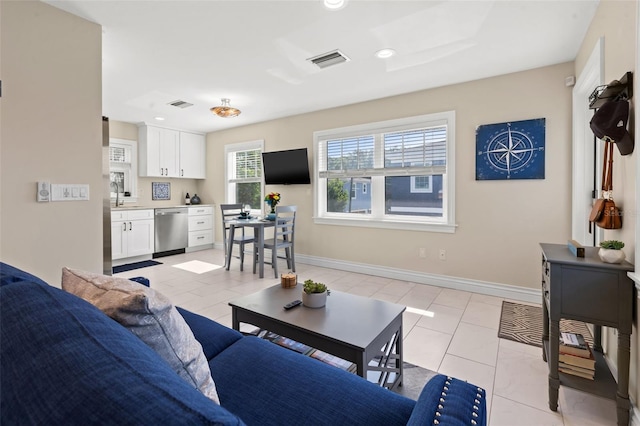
(225, 110)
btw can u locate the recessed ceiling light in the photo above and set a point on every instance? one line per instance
(159, 118)
(334, 4)
(385, 53)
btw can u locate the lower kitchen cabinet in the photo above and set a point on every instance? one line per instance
(132, 233)
(200, 227)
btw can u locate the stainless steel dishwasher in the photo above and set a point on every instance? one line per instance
(171, 229)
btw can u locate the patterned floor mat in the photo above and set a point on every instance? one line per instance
(523, 323)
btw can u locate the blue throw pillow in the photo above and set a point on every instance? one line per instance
(65, 362)
(213, 337)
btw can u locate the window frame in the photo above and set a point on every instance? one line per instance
(130, 169)
(445, 224)
(230, 195)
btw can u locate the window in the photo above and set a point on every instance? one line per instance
(392, 174)
(243, 173)
(123, 169)
(421, 183)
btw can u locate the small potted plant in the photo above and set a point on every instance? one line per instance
(314, 295)
(611, 251)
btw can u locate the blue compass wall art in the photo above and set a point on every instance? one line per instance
(513, 150)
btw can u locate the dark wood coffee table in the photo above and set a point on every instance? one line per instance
(367, 332)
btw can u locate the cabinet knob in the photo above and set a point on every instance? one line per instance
(125, 226)
(129, 226)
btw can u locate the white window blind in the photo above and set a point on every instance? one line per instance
(408, 152)
(416, 152)
(119, 154)
(247, 166)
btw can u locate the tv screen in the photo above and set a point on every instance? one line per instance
(289, 167)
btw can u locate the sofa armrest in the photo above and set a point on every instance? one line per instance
(449, 401)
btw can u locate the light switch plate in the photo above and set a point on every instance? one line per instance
(69, 192)
(43, 192)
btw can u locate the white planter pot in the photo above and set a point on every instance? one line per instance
(611, 256)
(314, 300)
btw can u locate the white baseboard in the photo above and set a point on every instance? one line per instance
(505, 291)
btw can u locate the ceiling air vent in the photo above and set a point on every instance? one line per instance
(180, 104)
(329, 59)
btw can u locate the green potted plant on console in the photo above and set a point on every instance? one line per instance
(314, 295)
(611, 251)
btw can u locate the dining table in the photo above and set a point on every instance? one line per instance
(258, 225)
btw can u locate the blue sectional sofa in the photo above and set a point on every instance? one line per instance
(64, 362)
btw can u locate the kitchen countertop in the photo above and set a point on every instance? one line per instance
(153, 208)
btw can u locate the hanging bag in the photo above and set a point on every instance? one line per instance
(604, 213)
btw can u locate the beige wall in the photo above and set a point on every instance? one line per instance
(615, 22)
(51, 130)
(179, 187)
(500, 223)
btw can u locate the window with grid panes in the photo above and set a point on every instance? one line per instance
(123, 169)
(244, 173)
(406, 166)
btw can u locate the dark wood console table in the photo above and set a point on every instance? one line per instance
(587, 289)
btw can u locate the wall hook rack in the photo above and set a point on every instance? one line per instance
(616, 90)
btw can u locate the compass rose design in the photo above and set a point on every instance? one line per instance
(512, 150)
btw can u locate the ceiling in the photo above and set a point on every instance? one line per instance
(255, 52)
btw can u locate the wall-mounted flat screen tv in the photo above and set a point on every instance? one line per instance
(289, 167)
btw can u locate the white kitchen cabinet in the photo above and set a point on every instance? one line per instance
(192, 155)
(170, 153)
(132, 233)
(201, 233)
(159, 152)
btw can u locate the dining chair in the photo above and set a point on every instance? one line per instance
(232, 211)
(283, 238)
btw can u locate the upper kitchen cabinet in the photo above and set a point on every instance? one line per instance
(192, 155)
(171, 153)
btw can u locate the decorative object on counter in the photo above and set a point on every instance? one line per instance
(187, 199)
(160, 191)
(272, 199)
(289, 280)
(195, 199)
(611, 251)
(225, 110)
(314, 295)
(576, 248)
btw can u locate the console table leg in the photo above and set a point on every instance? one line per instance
(552, 359)
(622, 397)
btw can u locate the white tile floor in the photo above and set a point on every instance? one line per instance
(450, 331)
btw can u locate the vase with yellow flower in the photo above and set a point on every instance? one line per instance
(272, 199)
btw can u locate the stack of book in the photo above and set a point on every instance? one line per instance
(306, 350)
(576, 356)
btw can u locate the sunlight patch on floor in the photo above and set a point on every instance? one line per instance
(197, 266)
(421, 312)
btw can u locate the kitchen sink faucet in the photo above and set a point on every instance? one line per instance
(117, 193)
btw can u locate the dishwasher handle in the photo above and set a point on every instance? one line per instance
(168, 211)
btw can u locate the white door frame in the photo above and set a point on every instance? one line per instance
(583, 154)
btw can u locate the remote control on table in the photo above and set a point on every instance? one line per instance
(292, 304)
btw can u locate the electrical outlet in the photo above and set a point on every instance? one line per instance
(443, 254)
(422, 252)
